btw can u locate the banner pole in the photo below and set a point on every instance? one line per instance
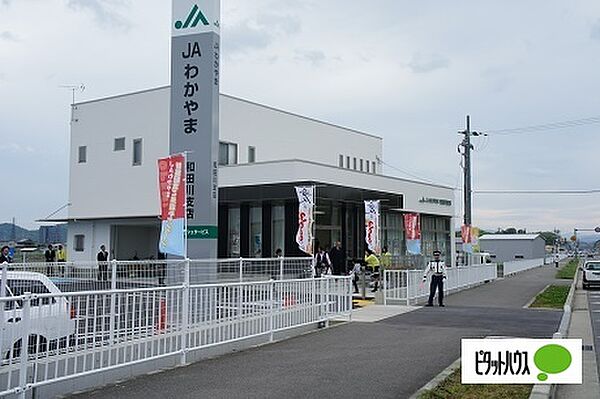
(185, 219)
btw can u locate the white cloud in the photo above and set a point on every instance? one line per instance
(106, 12)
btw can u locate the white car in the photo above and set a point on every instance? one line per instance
(591, 274)
(51, 319)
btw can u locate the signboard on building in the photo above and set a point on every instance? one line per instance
(372, 226)
(194, 122)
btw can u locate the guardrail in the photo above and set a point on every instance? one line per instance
(47, 337)
(517, 266)
(93, 276)
(407, 285)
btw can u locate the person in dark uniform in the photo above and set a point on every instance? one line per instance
(102, 259)
(437, 269)
(338, 259)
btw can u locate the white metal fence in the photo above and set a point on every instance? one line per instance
(517, 266)
(52, 336)
(407, 286)
(94, 276)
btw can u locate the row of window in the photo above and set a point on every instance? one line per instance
(119, 145)
(364, 165)
(228, 153)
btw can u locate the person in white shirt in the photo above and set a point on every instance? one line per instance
(437, 269)
(556, 259)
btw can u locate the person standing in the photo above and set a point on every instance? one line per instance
(437, 269)
(102, 259)
(50, 256)
(373, 264)
(4, 256)
(61, 258)
(322, 262)
(556, 259)
(338, 259)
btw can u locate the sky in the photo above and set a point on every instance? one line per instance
(407, 71)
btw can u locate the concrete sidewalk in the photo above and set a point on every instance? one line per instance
(581, 327)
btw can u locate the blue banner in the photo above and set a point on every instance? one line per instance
(413, 247)
(171, 237)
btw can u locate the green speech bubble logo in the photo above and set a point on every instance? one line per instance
(552, 359)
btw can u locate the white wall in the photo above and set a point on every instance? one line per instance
(280, 135)
(108, 186)
(96, 233)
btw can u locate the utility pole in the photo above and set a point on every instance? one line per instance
(467, 191)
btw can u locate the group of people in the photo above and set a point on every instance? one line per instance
(52, 256)
(334, 262)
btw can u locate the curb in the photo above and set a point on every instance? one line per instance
(437, 379)
(540, 391)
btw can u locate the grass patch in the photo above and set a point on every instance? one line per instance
(553, 297)
(451, 388)
(568, 271)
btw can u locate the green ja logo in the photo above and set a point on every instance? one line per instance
(199, 16)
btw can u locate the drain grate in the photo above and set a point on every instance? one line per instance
(588, 348)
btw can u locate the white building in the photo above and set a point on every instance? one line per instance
(264, 153)
(509, 247)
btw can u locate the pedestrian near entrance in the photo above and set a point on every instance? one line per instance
(50, 256)
(372, 262)
(556, 259)
(322, 263)
(386, 263)
(102, 259)
(338, 259)
(437, 269)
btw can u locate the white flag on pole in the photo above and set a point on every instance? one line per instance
(304, 236)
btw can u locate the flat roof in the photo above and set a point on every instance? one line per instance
(509, 237)
(337, 168)
(238, 99)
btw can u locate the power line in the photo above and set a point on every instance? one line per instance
(423, 179)
(545, 127)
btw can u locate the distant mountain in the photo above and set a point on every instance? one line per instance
(43, 235)
(6, 233)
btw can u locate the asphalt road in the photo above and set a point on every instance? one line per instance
(392, 358)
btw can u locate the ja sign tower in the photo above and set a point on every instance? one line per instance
(194, 122)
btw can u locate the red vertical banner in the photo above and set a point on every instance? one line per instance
(412, 230)
(467, 238)
(171, 182)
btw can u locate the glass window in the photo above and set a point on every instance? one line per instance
(355, 163)
(368, 163)
(137, 152)
(82, 154)
(362, 165)
(234, 232)
(256, 232)
(79, 242)
(278, 228)
(228, 153)
(341, 161)
(348, 162)
(373, 167)
(119, 144)
(251, 154)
